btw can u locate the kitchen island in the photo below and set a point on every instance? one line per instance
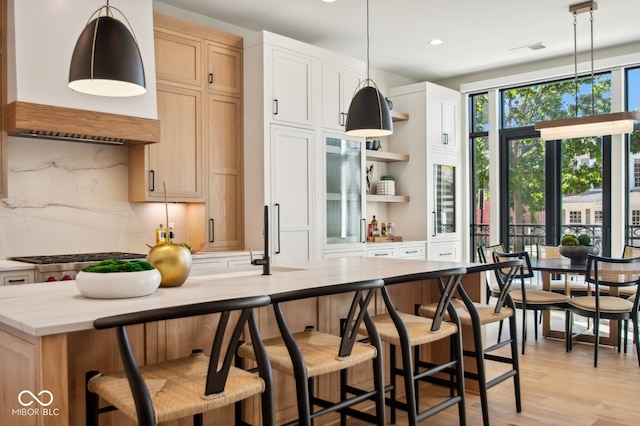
(47, 340)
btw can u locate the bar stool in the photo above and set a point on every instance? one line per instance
(477, 315)
(410, 331)
(310, 353)
(187, 386)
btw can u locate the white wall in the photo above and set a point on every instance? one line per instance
(68, 197)
(42, 42)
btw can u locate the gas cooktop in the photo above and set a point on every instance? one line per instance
(73, 258)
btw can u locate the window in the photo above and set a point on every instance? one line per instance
(635, 217)
(575, 216)
(597, 216)
(524, 106)
(636, 172)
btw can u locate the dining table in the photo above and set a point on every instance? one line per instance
(562, 266)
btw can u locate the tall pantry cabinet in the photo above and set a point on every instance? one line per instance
(199, 89)
(433, 140)
(294, 93)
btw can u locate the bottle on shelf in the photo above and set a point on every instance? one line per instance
(374, 226)
(171, 236)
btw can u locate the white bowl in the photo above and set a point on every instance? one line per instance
(118, 285)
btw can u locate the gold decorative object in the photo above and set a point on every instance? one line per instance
(172, 260)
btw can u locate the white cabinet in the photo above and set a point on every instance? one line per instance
(291, 77)
(291, 193)
(16, 277)
(411, 251)
(401, 250)
(338, 87)
(433, 179)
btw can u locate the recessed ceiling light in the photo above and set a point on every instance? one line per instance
(328, 1)
(435, 42)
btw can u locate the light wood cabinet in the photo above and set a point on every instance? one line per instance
(3, 100)
(194, 63)
(224, 173)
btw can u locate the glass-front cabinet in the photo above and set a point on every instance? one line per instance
(444, 201)
(344, 195)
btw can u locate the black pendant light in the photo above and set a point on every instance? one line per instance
(106, 60)
(369, 113)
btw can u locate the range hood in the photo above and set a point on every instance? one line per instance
(53, 122)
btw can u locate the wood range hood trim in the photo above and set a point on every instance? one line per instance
(31, 120)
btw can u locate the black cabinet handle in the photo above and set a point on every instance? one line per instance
(211, 231)
(278, 220)
(435, 224)
(275, 107)
(17, 281)
(152, 180)
(210, 78)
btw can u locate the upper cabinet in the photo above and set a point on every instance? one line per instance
(338, 87)
(291, 75)
(191, 62)
(433, 178)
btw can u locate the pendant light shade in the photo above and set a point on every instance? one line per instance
(106, 60)
(369, 113)
(594, 124)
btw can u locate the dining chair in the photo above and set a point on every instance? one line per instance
(190, 385)
(310, 353)
(615, 273)
(485, 255)
(478, 315)
(528, 299)
(408, 332)
(573, 283)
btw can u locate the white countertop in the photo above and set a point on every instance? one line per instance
(13, 265)
(58, 307)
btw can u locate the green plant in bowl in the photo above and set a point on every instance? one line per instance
(116, 279)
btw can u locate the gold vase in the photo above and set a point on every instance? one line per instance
(173, 261)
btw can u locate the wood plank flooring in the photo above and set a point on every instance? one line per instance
(558, 388)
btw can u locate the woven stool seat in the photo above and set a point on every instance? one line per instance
(418, 328)
(611, 304)
(538, 297)
(486, 312)
(319, 351)
(177, 388)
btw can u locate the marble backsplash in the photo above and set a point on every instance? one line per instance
(69, 197)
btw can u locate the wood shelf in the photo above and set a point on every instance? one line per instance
(384, 156)
(387, 198)
(399, 116)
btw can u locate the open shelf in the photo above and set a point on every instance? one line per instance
(387, 198)
(384, 156)
(399, 116)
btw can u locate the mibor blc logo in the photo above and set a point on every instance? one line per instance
(35, 404)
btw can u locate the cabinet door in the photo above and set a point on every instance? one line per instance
(224, 69)
(178, 58)
(291, 79)
(291, 193)
(338, 87)
(443, 118)
(177, 160)
(224, 146)
(444, 201)
(344, 206)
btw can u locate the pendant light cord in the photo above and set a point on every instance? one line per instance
(368, 41)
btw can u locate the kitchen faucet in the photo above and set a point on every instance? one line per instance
(266, 259)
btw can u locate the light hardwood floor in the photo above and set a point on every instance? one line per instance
(558, 388)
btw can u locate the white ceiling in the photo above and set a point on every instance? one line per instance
(477, 35)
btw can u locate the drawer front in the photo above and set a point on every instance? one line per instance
(14, 279)
(412, 252)
(390, 252)
(449, 251)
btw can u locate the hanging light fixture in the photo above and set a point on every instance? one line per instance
(369, 113)
(106, 60)
(592, 125)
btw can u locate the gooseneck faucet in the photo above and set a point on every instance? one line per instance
(266, 259)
